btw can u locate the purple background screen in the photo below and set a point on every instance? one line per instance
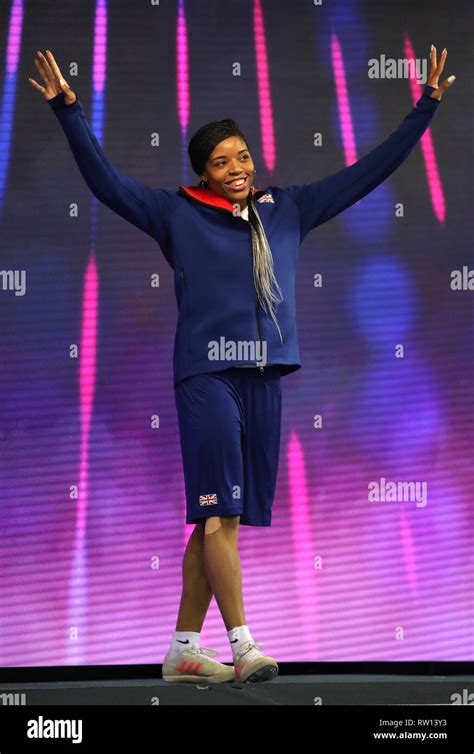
(92, 508)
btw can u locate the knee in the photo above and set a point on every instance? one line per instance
(213, 523)
(230, 522)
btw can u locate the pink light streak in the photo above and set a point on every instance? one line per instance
(264, 91)
(303, 547)
(88, 352)
(78, 588)
(15, 27)
(426, 142)
(345, 117)
(87, 372)
(182, 66)
(88, 346)
(100, 47)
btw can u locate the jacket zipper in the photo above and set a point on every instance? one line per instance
(257, 319)
(186, 303)
(256, 298)
(258, 328)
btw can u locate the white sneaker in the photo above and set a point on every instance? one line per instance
(252, 666)
(194, 665)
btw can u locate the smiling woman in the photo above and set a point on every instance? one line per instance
(230, 170)
(220, 155)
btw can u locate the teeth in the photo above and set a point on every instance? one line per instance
(238, 183)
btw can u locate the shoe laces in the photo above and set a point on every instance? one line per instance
(247, 648)
(195, 649)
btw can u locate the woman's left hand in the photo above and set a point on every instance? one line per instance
(435, 72)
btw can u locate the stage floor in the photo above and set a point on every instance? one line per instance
(284, 690)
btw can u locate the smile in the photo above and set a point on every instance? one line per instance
(238, 184)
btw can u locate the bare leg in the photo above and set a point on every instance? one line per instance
(197, 593)
(222, 562)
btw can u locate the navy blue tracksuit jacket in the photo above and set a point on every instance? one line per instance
(210, 249)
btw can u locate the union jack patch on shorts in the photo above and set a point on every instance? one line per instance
(208, 499)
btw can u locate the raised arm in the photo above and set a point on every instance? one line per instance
(147, 208)
(321, 200)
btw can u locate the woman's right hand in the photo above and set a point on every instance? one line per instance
(53, 79)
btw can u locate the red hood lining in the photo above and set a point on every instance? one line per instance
(207, 196)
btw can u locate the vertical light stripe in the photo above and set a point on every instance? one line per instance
(264, 90)
(344, 108)
(303, 551)
(182, 68)
(14, 35)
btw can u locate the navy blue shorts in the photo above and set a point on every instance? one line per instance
(229, 425)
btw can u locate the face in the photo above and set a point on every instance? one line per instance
(230, 170)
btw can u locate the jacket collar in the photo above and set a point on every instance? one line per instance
(209, 197)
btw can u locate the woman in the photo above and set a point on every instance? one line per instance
(233, 250)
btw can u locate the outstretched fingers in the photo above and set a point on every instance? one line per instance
(436, 70)
(41, 71)
(54, 66)
(44, 68)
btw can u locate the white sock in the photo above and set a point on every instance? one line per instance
(182, 640)
(238, 636)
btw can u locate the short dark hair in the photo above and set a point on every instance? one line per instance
(206, 138)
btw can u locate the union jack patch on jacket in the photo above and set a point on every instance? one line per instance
(208, 499)
(266, 198)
